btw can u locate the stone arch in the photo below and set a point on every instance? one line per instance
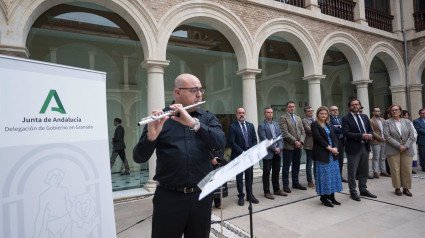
(296, 35)
(416, 67)
(211, 14)
(349, 46)
(134, 12)
(392, 60)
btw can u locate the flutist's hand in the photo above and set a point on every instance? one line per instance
(155, 127)
(184, 117)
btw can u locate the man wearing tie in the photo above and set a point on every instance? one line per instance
(420, 128)
(308, 144)
(293, 130)
(336, 122)
(358, 133)
(268, 130)
(242, 136)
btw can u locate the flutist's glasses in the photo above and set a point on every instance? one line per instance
(194, 90)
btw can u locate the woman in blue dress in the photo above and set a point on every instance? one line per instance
(325, 155)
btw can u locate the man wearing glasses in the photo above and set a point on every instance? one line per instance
(182, 142)
(336, 122)
(358, 134)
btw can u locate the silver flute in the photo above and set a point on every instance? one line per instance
(152, 118)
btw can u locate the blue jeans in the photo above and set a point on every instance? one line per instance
(308, 165)
(291, 157)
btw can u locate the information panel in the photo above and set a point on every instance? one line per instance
(54, 176)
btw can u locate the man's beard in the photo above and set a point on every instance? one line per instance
(241, 119)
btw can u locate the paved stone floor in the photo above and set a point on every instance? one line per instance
(300, 214)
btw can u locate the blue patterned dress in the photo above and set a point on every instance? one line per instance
(327, 175)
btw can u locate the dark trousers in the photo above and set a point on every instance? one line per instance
(121, 153)
(309, 164)
(176, 213)
(421, 153)
(291, 157)
(358, 168)
(341, 146)
(248, 182)
(273, 165)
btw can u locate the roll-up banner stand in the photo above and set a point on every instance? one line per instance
(55, 178)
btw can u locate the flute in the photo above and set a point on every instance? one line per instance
(152, 118)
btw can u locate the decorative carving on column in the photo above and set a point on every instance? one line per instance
(156, 100)
(314, 93)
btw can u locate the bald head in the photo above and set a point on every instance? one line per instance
(183, 93)
(181, 80)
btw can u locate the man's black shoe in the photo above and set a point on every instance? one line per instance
(286, 189)
(253, 199)
(368, 194)
(355, 197)
(240, 201)
(370, 177)
(125, 173)
(344, 180)
(299, 186)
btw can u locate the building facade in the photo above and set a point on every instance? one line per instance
(245, 52)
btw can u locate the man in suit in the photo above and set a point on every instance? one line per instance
(293, 130)
(420, 128)
(267, 130)
(242, 137)
(118, 146)
(336, 122)
(378, 144)
(358, 134)
(308, 143)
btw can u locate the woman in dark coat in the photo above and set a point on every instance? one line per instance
(325, 155)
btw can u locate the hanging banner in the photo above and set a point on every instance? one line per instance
(54, 176)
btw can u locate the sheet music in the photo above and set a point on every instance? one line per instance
(248, 158)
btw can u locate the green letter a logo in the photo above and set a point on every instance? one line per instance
(60, 107)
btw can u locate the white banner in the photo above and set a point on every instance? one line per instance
(54, 177)
(248, 158)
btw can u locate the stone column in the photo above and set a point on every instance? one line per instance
(312, 5)
(156, 101)
(92, 54)
(363, 95)
(314, 93)
(409, 21)
(53, 55)
(415, 99)
(125, 72)
(395, 11)
(249, 97)
(360, 12)
(399, 95)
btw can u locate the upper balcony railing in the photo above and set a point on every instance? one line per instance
(343, 9)
(379, 20)
(297, 3)
(419, 20)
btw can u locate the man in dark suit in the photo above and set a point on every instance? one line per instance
(242, 136)
(358, 134)
(118, 146)
(420, 128)
(336, 122)
(267, 130)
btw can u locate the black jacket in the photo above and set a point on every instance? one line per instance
(320, 142)
(183, 157)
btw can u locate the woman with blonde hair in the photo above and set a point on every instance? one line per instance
(325, 155)
(399, 150)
